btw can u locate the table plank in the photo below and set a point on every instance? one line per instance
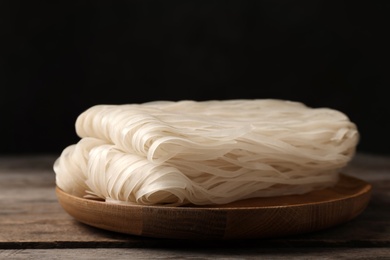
(198, 253)
(31, 217)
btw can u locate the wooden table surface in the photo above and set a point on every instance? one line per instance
(34, 226)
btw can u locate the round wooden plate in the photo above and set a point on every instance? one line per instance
(252, 218)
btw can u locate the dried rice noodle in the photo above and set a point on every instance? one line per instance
(205, 152)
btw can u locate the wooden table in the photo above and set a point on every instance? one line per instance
(33, 225)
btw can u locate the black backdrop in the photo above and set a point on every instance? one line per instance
(60, 57)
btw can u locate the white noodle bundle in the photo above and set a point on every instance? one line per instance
(205, 152)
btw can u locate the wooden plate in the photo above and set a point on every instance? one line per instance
(252, 218)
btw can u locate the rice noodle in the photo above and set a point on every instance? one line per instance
(205, 152)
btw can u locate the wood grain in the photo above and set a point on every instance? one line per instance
(251, 218)
(31, 217)
(226, 253)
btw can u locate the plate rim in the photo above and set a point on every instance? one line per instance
(145, 223)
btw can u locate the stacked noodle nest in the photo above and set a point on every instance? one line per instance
(205, 152)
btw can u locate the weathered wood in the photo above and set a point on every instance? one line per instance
(31, 217)
(198, 253)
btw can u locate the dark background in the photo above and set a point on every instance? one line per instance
(60, 57)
